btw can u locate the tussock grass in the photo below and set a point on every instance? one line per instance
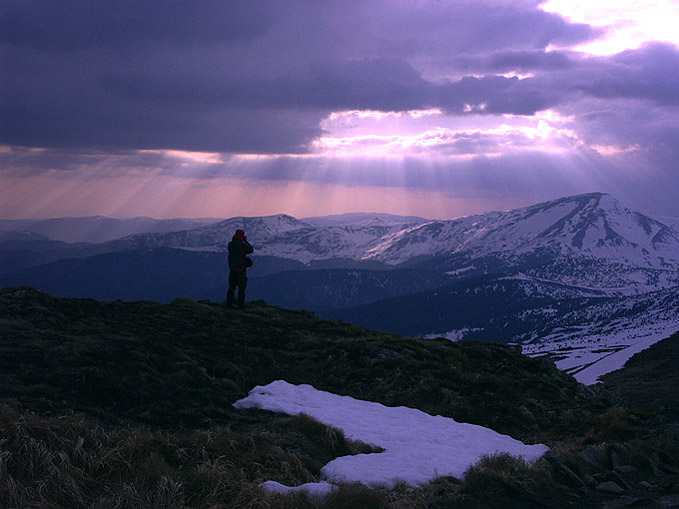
(129, 404)
(502, 477)
(68, 461)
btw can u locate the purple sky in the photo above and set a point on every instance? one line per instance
(435, 108)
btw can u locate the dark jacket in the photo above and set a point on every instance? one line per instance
(238, 249)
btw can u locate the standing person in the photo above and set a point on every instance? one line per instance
(239, 247)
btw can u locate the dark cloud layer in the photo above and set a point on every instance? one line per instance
(76, 24)
(651, 72)
(255, 77)
(88, 80)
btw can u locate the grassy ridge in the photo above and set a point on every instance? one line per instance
(184, 364)
(129, 404)
(650, 379)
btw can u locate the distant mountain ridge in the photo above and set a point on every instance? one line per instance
(281, 236)
(553, 273)
(359, 217)
(592, 225)
(95, 229)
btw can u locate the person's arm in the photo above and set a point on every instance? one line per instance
(248, 248)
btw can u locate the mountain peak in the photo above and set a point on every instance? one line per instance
(592, 225)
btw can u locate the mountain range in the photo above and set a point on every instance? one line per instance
(96, 228)
(558, 273)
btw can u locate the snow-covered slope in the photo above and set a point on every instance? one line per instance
(592, 225)
(282, 236)
(596, 340)
(589, 240)
(350, 241)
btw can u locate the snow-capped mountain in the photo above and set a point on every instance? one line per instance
(593, 225)
(589, 240)
(214, 236)
(282, 236)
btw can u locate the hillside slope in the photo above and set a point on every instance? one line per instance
(650, 379)
(130, 404)
(183, 364)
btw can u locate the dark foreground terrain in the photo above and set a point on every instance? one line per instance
(128, 404)
(650, 380)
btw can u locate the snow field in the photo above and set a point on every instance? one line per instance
(588, 355)
(418, 447)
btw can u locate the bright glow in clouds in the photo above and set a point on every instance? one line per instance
(630, 23)
(379, 115)
(189, 157)
(370, 134)
(278, 113)
(465, 143)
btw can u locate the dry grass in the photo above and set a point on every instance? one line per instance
(68, 461)
(128, 404)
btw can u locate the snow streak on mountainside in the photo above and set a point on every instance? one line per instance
(589, 240)
(594, 226)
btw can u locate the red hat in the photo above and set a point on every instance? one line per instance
(240, 234)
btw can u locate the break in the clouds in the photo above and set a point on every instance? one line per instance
(463, 97)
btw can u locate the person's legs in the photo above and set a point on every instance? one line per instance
(242, 283)
(233, 283)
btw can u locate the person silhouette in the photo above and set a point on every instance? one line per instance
(239, 248)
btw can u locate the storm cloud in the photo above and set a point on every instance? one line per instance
(94, 86)
(256, 79)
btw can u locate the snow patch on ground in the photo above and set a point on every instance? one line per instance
(418, 447)
(588, 355)
(457, 272)
(313, 489)
(614, 361)
(452, 335)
